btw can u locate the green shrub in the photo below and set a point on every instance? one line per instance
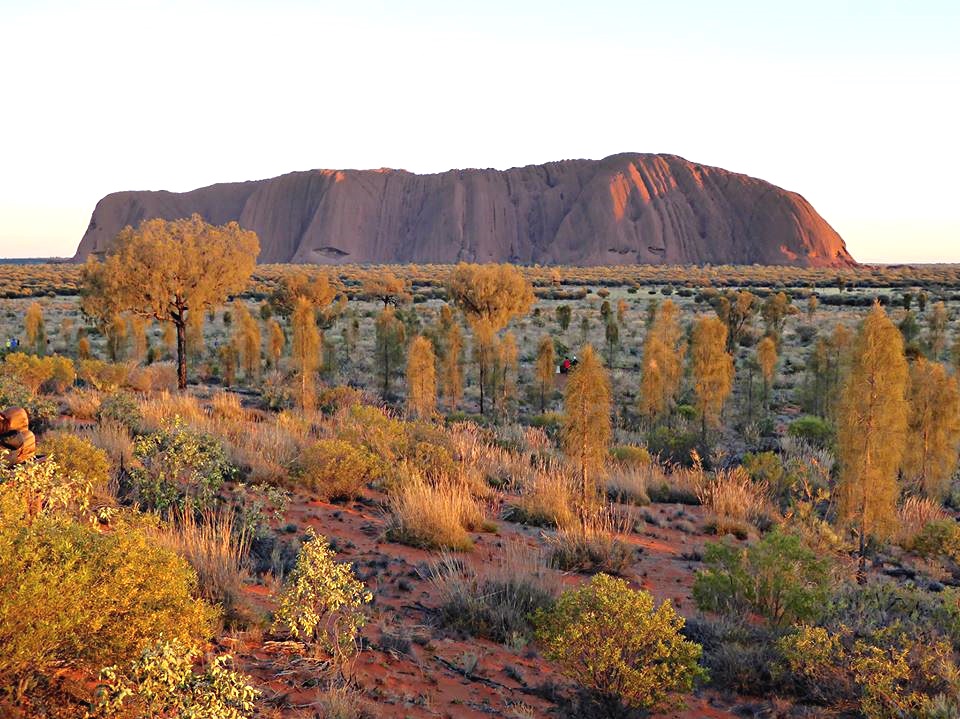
(178, 467)
(630, 454)
(43, 487)
(814, 430)
(621, 649)
(75, 597)
(672, 446)
(881, 605)
(336, 469)
(765, 467)
(890, 674)
(122, 408)
(79, 458)
(939, 538)
(322, 602)
(161, 682)
(777, 577)
(550, 422)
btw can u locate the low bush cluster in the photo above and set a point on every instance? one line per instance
(624, 651)
(336, 469)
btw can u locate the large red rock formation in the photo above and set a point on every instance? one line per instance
(625, 209)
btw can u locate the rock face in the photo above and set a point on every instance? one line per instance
(624, 209)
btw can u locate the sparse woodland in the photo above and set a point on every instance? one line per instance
(381, 492)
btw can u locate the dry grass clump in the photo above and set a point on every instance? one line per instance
(265, 449)
(496, 602)
(115, 439)
(216, 548)
(679, 485)
(434, 516)
(592, 544)
(628, 483)
(160, 408)
(914, 514)
(546, 500)
(82, 403)
(481, 465)
(735, 500)
(226, 406)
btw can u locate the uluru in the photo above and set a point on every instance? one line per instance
(629, 208)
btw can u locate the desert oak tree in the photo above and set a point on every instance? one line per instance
(166, 269)
(871, 429)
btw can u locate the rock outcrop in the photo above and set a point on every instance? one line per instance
(625, 209)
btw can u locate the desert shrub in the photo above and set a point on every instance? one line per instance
(42, 410)
(43, 487)
(31, 371)
(937, 539)
(777, 577)
(334, 399)
(889, 674)
(104, 376)
(433, 461)
(76, 597)
(740, 656)
(178, 467)
(82, 403)
(621, 649)
(383, 435)
(322, 603)
(335, 469)
(545, 500)
(682, 485)
(631, 454)
(495, 603)
(434, 516)
(81, 459)
(162, 682)
(765, 468)
(814, 430)
(276, 391)
(550, 422)
(122, 408)
(882, 606)
(62, 374)
(673, 446)
(914, 514)
(153, 377)
(591, 544)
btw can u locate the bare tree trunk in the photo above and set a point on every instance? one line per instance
(181, 326)
(482, 377)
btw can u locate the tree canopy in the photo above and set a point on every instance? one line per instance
(165, 269)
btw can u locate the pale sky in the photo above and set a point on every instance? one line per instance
(853, 104)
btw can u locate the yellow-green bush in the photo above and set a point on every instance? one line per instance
(336, 469)
(889, 674)
(72, 596)
(104, 376)
(162, 682)
(621, 649)
(322, 603)
(939, 538)
(43, 487)
(79, 458)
